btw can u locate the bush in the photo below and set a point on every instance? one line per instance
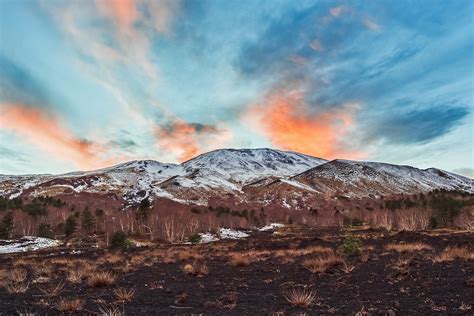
(433, 223)
(6, 226)
(194, 238)
(45, 231)
(119, 239)
(357, 222)
(70, 226)
(350, 247)
(346, 221)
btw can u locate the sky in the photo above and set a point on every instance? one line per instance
(87, 84)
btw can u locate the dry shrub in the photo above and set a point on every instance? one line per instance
(16, 287)
(408, 247)
(69, 305)
(245, 258)
(300, 297)
(453, 253)
(322, 264)
(124, 295)
(110, 311)
(412, 219)
(111, 258)
(302, 252)
(17, 275)
(101, 278)
(52, 290)
(198, 268)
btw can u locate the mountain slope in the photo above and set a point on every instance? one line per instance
(259, 175)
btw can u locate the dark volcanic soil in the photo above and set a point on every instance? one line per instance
(379, 282)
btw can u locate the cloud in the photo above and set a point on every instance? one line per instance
(371, 24)
(468, 172)
(290, 124)
(337, 11)
(45, 132)
(418, 126)
(186, 140)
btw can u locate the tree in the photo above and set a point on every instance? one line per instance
(6, 225)
(70, 226)
(87, 220)
(45, 231)
(143, 210)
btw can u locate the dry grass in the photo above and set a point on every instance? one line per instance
(52, 289)
(453, 253)
(124, 295)
(17, 275)
(198, 268)
(110, 311)
(245, 258)
(101, 278)
(69, 305)
(300, 297)
(16, 287)
(408, 247)
(322, 264)
(302, 252)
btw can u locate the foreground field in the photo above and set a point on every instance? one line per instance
(293, 270)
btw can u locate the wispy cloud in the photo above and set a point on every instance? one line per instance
(47, 133)
(185, 140)
(290, 124)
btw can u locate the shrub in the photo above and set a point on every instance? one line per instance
(433, 223)
(322, 264)
(357, 222)
(6, 226)
(100, 279)
(300, 297)
(70, 226)
(346, 221)
(45, 231)
(350, 247)
(119, 239)
(194, 238)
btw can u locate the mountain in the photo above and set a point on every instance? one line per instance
(260, 176)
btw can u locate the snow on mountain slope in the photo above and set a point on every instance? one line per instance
(246, 165)
(243, 175)
(357, 178)
(219, 171)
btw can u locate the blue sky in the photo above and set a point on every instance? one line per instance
(86, 84)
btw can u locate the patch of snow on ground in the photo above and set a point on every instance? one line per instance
(271, 226)
(224, 233)
(27, 243)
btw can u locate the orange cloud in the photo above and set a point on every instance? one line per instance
(289, 124)
(124, 12)
(45, 132)
(186, 140)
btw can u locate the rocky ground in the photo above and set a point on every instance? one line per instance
(292, 270)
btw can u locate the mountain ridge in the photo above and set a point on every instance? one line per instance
(260, 175)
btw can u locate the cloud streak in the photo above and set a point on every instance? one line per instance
(290, 124)
(45, 132)
(186, 140)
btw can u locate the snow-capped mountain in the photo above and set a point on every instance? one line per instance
(243, 174)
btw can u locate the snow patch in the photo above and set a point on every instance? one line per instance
(224, 233)
(27, 243)
(271, 226)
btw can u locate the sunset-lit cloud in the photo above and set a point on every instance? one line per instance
(290, 124)
(47, 133)
(187, 140)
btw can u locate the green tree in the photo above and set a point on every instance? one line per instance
(45, 231)
(70, 226)
(6, 225)
(87, 220)
(143, 210)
